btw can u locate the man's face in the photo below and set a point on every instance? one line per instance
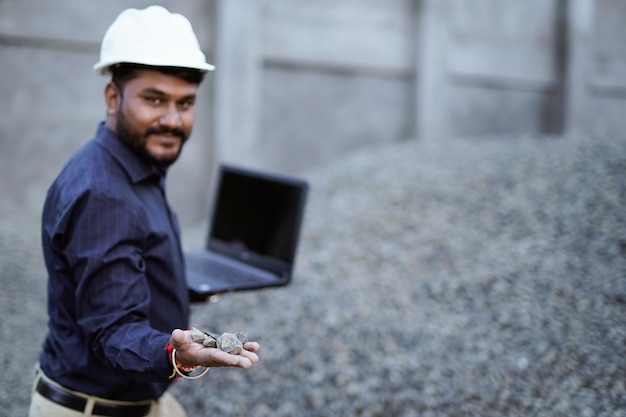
(154, 114)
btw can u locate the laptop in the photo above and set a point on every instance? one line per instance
(254, 230)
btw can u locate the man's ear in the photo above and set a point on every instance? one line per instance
(112, 97)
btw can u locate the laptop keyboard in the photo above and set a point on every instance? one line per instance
(222, 271)
(230, 274)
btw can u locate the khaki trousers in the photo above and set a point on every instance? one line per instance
(166, 406)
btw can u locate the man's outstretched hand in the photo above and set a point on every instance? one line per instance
(193, 353)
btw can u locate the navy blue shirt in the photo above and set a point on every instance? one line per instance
(116, 286)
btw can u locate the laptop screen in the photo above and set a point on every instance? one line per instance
(257, 213)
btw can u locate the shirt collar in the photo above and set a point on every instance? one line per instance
(136, 168)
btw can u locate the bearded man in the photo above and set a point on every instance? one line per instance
(117, 293)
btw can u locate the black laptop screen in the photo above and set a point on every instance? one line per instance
(257, 214)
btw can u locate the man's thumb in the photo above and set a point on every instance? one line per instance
(177, 339)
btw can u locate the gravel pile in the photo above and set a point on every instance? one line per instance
(466, 278)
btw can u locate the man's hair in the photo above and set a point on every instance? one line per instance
(124, 72)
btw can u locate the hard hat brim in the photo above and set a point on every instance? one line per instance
(104, 68)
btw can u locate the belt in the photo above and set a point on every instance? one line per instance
(67, 399)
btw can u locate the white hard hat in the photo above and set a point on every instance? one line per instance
(152, 36)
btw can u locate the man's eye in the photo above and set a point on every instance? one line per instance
(154, 100)
(185, 104)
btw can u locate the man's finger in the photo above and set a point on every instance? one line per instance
(178, 339)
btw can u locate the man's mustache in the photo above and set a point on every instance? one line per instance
(161, 130)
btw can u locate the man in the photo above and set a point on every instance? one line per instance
(117, 295)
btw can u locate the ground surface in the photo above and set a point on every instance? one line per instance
(475, 278)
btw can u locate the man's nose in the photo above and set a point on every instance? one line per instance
(171, 117)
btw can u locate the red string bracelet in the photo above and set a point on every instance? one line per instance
(180, 367)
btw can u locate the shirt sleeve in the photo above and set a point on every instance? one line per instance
(105, 255)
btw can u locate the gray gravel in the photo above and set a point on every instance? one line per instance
(473, 277)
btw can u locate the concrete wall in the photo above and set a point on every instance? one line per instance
(598, 102)
(318, 79)
(299, 84)
(488, 67)
(304, 83)
(556, 66)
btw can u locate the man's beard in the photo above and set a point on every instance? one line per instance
(137, 141)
